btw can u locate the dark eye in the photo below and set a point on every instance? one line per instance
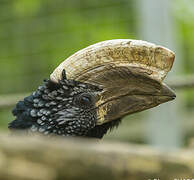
(85, 100)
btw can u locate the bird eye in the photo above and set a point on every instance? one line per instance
(85, 100)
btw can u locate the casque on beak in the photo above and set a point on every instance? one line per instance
(130, 73)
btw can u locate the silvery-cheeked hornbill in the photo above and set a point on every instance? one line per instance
(93, 89)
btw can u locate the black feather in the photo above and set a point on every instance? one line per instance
(65, 108)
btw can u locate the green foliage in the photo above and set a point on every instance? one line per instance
(24, 8)
(5, 117)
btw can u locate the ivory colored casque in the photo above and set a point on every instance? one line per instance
(155, 61)
(130, 73)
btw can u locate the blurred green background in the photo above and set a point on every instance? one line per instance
(36, 35)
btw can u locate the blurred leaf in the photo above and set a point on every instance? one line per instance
(26, 7)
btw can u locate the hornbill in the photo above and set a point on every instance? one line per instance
(92, 90)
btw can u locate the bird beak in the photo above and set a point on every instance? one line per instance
(136, 94)
(129, 72)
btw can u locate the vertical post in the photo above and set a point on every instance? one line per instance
(156, 25)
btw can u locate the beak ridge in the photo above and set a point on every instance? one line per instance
(167, 92)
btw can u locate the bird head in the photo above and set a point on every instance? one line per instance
(93, 89)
